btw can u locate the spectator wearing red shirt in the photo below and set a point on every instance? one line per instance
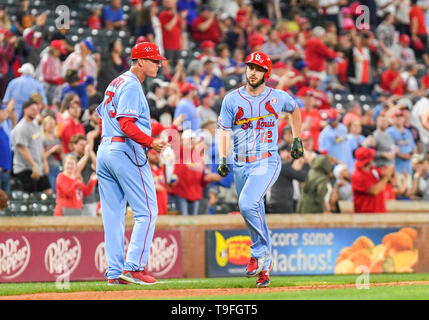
(311, 117)
(313, 86)
(192, 177)
(316, 52)
(94, 20)
(284, 76)
(172, 25)
(158, 172)
(71, 190)
(354, 113)
(205, 26)
(425, 81)
(417, 25)
(72, 124)
(369, 182)
(391, 80)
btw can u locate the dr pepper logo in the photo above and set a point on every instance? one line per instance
(63, 256)
(163, 255)
(234, 250)
(14, 257)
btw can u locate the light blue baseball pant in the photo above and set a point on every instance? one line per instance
(122, 179)
(253, 180)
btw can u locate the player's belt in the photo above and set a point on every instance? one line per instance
(253, 158)
(118, 139)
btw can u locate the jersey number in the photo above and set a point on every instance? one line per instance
(110, 94)
(266, 137)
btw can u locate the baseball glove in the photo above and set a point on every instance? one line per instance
(297, 150)
(223, 168)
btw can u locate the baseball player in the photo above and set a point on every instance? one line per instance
(249, 115)
(124, 175)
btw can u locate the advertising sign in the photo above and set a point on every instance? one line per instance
(316, 251)
(59, 256)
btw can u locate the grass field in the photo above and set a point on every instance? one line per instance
(382, 287)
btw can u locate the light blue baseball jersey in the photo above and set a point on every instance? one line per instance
(405, 141)
(253, 121)
(124, 176)
(334, 141)
(124, 97)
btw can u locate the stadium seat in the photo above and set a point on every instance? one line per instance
(16, 195)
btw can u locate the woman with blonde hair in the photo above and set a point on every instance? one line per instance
(71, 190)
(4, 19)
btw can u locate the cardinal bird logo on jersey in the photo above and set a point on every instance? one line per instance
(270, 109)
(238, 115)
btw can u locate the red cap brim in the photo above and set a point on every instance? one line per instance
(157, 57)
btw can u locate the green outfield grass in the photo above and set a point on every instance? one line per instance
(388, 292)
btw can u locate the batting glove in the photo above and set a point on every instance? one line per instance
(297, 150)
(223, 168)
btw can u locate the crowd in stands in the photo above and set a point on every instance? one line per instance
(362, 84)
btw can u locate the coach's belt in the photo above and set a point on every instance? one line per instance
(253, 158)
(118, 139)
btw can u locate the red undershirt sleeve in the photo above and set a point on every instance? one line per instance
(131, 130)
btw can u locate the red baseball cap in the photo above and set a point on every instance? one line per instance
(287, 34)
(187, 87)
(314, 77)
(58, 44)
(208, 44)
(133, 3)
(156, 127)
(354, 8)
(279, 65)
(261, 59)
(146, 50)
(305, 91)
(363, 156)
(405, 38)
(256, 40)
(331, 115)
(265, 21)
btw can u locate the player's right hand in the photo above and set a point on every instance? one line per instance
(223, 168)
(159, 145)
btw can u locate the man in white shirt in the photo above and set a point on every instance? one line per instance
(411, 84)
(419, 118)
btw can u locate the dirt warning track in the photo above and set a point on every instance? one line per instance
(185, 293)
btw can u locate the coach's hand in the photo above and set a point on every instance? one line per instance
(297, 151)
(159, 145)
(223, 168)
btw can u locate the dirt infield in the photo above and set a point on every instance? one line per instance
(174, 293)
